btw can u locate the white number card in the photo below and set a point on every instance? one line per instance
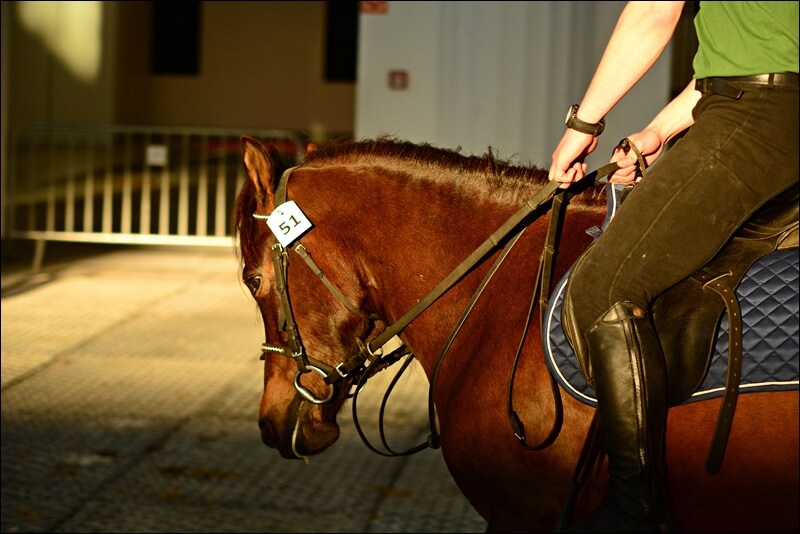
(288, 223)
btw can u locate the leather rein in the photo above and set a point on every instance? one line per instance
(387, 348)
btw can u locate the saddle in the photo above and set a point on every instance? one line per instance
(688, 317)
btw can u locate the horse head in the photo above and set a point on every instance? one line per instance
(297, 415)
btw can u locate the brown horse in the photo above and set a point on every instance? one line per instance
(393, 219)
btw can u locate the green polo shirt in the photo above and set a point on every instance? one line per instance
(746, 38)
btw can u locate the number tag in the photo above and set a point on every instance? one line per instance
(288, 223)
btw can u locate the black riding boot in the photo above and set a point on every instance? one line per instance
(630, 382)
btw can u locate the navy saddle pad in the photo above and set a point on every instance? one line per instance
(769, 299)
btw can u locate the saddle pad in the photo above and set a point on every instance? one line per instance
(769, 299)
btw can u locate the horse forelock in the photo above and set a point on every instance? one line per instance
(486, 175)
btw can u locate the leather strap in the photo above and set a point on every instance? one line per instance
(719, 441)
(731, 86)
(554, 227)
(591, 456)
(544, 277)
(531, 205)
(302, 251)
(280, 192)
(591, 452)
(718, 86)
(544, 282)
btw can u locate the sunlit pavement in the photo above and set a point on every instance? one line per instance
(130, 388)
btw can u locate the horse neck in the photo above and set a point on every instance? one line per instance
(397, 238)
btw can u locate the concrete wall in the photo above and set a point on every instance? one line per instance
(61, 62)
(262, 66)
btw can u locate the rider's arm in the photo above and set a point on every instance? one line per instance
(642, 32)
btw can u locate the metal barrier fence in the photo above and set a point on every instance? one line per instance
(129, 185)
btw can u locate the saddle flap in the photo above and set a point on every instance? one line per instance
(686, 319)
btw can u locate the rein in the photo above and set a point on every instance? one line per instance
(383, 351)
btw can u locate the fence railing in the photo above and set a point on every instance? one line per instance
(129, 185)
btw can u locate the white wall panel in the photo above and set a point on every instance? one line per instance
(499, 74)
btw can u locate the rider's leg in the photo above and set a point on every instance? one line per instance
(626, 359)
(738, 155)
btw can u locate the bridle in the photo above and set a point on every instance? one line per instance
(387, 348)
(353, 368)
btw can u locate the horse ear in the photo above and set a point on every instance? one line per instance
(259, 167)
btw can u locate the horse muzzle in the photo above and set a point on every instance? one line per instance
(302, 433)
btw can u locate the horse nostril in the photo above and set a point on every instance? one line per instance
(267, 434)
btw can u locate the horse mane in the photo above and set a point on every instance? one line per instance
(484, 176)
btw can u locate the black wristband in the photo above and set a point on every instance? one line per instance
(572, 121)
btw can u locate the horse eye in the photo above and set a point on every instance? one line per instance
(253, 283)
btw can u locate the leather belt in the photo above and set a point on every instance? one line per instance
(729, 85)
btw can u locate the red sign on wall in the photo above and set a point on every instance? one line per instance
(398, 80)
(374, 8)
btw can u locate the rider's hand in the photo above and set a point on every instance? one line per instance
(649, 143)
(568, 166)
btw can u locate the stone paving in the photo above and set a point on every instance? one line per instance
(130, 390)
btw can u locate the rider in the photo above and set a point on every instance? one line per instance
(740, 150)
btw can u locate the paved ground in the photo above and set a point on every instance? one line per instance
(130, 388)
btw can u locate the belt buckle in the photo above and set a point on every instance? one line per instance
(703, 85)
